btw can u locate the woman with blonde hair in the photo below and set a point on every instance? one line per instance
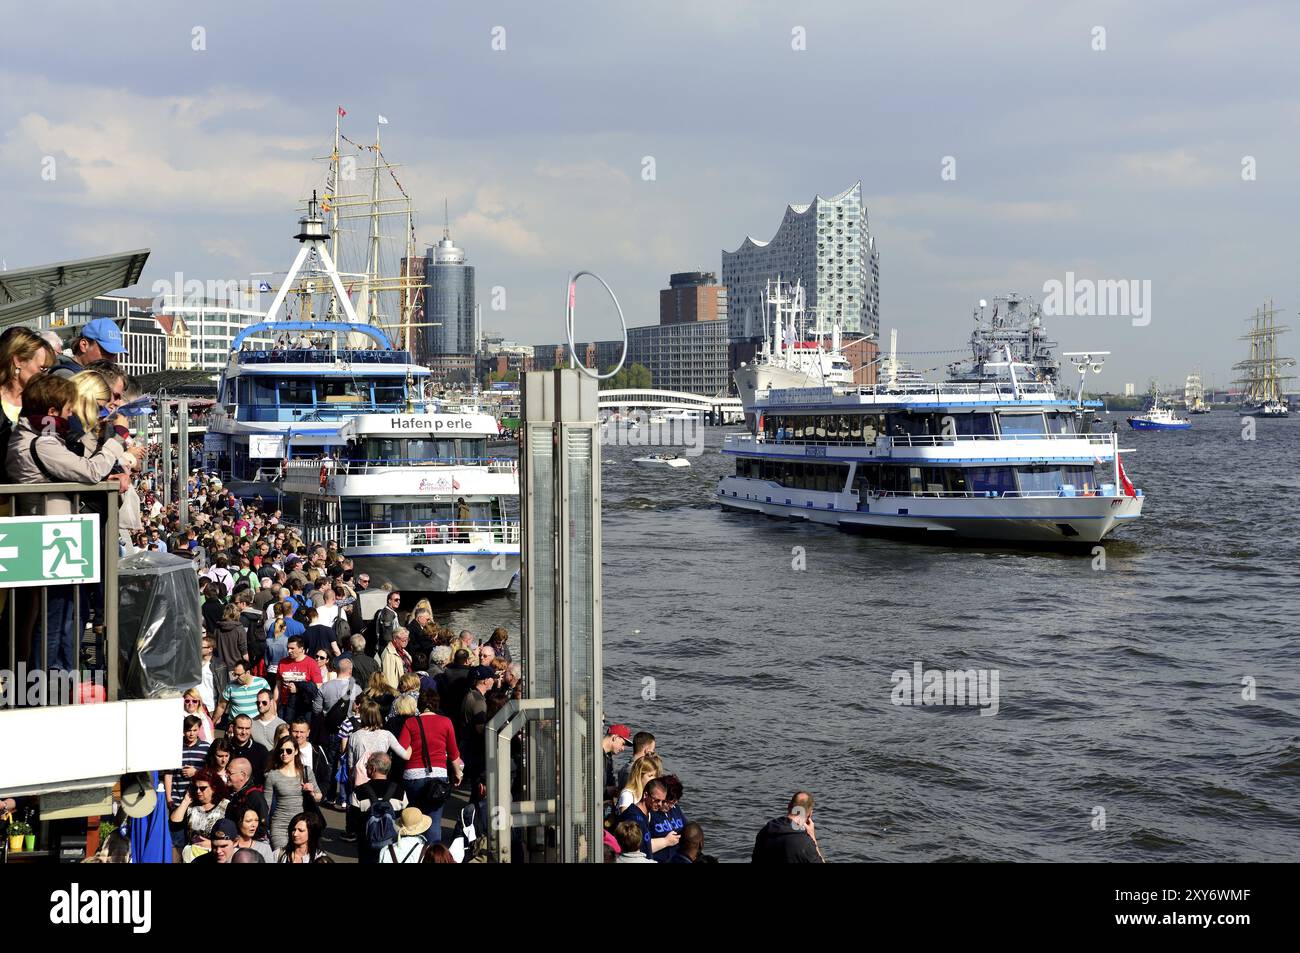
(643, 770)
(194, 706)
(24, 354)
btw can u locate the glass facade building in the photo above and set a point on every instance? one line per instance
(448, 305)
(827, 246)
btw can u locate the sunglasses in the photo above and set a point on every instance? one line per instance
(191, 701)
(200, 788)
(322, 658)
(288, 750)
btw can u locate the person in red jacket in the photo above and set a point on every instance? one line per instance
(432, 741)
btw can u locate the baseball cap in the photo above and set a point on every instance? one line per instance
(225, 828)
(104, 333)
(482, 672)
(621, 731)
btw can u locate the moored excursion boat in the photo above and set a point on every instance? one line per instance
(414, 499)
(988, 460)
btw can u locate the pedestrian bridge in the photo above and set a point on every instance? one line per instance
(720, 409)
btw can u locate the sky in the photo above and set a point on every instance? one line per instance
(1001, 145)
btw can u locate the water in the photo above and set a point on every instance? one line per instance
(1119, 689)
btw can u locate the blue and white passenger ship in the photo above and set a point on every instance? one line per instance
(995, 460)
(338, 424)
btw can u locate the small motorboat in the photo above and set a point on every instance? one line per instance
(662, 460)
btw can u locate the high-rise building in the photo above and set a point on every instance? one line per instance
(448, 306)
(827, 246)
(692, 296)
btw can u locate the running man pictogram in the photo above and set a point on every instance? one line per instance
(62, 555)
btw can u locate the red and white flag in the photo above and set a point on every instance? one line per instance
(342, 111)
(1125, 482)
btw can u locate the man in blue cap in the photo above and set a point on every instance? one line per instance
(99, 340)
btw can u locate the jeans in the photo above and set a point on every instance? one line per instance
(417, 792)
(61, 642)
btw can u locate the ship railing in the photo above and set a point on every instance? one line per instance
(363, 467)
(919, 440)
(1000, 389)
(1103, 489)
(431, 533)
(303, 355)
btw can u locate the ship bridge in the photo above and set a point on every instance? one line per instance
(722, 409)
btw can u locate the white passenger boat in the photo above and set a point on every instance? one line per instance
(415, 500)
(988, 460)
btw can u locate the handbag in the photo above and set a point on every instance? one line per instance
(465, 844)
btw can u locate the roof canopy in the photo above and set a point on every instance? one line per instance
(28, 293)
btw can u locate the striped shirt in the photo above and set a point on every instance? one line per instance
(190, 758)
(243, 698)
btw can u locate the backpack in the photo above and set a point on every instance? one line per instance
(337, 714)
(381, 830)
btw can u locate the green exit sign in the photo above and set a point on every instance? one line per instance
(48, 550)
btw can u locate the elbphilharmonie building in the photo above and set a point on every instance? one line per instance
(826, 245)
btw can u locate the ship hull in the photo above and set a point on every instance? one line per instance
(1139, 424)
(455, 573)
(1058, 521)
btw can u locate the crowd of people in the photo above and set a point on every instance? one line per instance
(308, 701)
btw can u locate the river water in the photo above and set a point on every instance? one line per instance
(1121, 731)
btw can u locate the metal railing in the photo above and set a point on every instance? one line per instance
(356, 467)
(908, 440)
(302, 355)
(26, 612)
(430, 533)
(1097, 490)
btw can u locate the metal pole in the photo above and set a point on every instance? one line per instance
(165, 439)
(183, 461)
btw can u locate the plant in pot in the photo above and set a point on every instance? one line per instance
(18, 832)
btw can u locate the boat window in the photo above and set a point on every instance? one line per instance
(257, 391)
(1039, 479)
(1060, 423)
(389, 394)
(342, 390)
(472, 448)
(296, 392)
(1021, 424)
(973, 424)
(991, 479)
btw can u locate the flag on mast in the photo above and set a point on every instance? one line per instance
(342, 111)
(383, 120)
(1125, 482)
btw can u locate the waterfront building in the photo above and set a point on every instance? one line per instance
(686, 356)
(692, 296)
(825, 244)
(212, 325)
(448, 315)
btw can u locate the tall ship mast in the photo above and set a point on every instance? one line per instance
(1194, 394)
(1261, 383)
(372, 235)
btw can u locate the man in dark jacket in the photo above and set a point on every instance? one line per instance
(248, 793)
(791, 839)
